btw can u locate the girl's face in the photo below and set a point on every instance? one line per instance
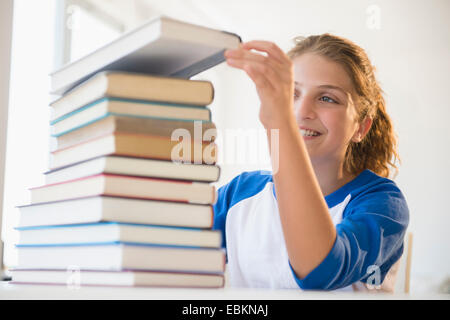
(324, 107)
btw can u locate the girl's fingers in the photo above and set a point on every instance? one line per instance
(262, 75)
(247, 54)
(269, 47)
(279, 69)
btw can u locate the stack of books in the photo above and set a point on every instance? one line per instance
(127, 200)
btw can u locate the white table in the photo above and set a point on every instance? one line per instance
(44, 292)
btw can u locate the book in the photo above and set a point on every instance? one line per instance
(127, 107)
(137, 86)
(125, 278)
(119, 232)
(135, 167)
(126, 186)
(139, 146)
(119, 256)
(162, 45)
(133, 125)
(116, 209)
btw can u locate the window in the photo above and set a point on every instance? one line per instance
(38, 47)
(27, 137)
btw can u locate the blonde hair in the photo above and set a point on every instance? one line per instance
(378, 150)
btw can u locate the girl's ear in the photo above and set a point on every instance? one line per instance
(363, 129)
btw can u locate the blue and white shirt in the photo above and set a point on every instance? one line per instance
(370, 214)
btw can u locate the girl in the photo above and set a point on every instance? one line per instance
(328, 217)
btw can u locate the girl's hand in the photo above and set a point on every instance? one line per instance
(273, 77)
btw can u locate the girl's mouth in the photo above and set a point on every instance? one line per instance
(309, 134)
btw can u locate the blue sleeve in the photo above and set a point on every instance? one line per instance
(369, 236)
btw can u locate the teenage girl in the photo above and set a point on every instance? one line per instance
(328, 217)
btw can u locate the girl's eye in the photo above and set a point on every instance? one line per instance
(296, 95)
(327, 99)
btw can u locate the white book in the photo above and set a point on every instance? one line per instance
(126, 278)
(119, 232)
(135, 167)
(102, 208)
(162, 46)
(119, 256)
(126, 186)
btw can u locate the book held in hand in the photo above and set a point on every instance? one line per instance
(162, 46)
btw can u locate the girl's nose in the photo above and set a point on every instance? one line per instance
(304, 108)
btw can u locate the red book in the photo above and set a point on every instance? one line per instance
(126, 186)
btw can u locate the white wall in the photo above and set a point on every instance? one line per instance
(28, 115)
(411, 51)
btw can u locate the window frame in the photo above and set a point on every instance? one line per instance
(6, 25)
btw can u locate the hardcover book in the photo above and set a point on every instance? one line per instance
(116, 209)
(137, 86)
(126, 186)
(124, 278)
(162, 46)
(127, 107)
(119, 256)
(133, 125)
(139, 146)
(119, 232)
(135, 167)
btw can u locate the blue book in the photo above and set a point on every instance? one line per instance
(121, 255)
(105, 106)
(115, 232)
